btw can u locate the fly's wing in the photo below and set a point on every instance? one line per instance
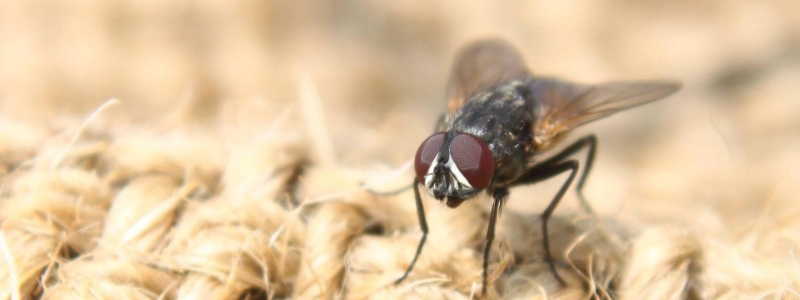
(560, 105)
(482, 65)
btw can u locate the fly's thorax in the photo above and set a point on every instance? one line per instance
(501, 117)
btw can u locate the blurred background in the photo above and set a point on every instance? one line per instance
(720, 156)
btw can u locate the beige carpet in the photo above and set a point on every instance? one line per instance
(217, 150)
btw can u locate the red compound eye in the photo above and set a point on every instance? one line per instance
(426, 153)
(474, 159)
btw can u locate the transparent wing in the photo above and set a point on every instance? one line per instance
(560, 105)
(482, 65)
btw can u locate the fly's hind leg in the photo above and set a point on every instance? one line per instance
(589, 141)
(541, 173)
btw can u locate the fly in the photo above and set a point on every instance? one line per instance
(500, 119)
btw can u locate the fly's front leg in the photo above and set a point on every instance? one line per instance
(423, 225)
(544, 172)
(589, 141)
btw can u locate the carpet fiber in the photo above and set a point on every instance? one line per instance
(215, 150)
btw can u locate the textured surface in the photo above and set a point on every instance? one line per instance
(232, 164)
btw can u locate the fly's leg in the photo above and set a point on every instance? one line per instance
(423, 225)
(500, 195)
(589, 141)
(541, 173)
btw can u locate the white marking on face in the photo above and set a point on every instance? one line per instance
(454, 172)
(457, 173)
(429, 175)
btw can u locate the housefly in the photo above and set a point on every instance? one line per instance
(500, 119)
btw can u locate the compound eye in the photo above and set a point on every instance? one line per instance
(426, 154)
(474, 159)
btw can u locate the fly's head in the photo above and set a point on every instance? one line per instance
(454, 166)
